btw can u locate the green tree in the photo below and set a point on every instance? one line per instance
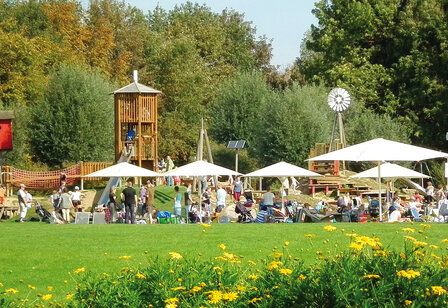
(390, 55)
(74, 122)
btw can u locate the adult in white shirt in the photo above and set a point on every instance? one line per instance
(76, 199)
(221, 196)
(21, 196)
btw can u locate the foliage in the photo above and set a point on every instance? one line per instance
(389, 54)
(294, 121)
(75, 120)
(364, 274)
(226, 158)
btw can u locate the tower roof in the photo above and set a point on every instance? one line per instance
(136, 87)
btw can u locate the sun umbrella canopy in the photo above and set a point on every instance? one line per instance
(200, 168)
(124, 170)
(381, 150)
(281, 169)
(388, 170)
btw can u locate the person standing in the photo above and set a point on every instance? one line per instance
(129, 195)
(294, 184)
(285, 185)
(429, 192)
(112, 204)
(21, 196)
(66, 204)
(76, 199)
(177, 203)
(188, 200)
(169, 166)
(221, 195)
(237, 189)
(150, 190)
(143, 196)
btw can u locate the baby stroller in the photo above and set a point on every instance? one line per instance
(193, 215)
(244, 214)
(44, 215)
(249, 198)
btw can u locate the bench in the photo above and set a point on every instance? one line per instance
(8, 211)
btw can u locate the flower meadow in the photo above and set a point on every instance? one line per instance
(364, 273)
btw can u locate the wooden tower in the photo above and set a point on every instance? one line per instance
(136, 109)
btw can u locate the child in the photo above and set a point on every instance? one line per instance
(177, 203)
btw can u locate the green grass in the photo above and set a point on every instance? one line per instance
(43, 255)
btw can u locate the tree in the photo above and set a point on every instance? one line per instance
(74, 122)
(390, 55)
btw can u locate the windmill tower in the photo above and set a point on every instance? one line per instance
(338, 100)
(136, 112)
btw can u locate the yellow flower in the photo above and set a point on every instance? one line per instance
(240, 288)
(79, 270)
(420, 244)
(277, 255)
(140, 276)
(380, 253)
(214, 296)
(179, 279)
(172, 300)
(286, 243)
(171, 305)
(217, 269)
(356, 246)
(302, 277)
(31, 287)
(407, 303)
(329, 228)
(285, 271)
(255, 299)
(252, 262)
(434, 246)
(230, 296)
(408, 230)
(445, 240)
(50, 288)
(181, 288)
(371, 276)
(125, 257)
(175, 256)
(47, 297)
(409, 274)
(438, 290)
(274, 265)
(222, 246)
(196, 289)
(310, 236)
(11, 291)
(253, 277)
(425, 226)
(205, 225)
(69, 296)
(351, 234)
(1, 285)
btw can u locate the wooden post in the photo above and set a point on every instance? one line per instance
(82, 174)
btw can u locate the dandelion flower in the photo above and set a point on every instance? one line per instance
(351, 234)
(205, 225)
(286, 243)
(434, 246)
(79, 270)
(329, 228)
(222, 246)
(140, 276)
(240, 288)
(214, 297)
(253, 277)
(410, 238)
(50, 288)
(380, 253)
(285, 271)
(11, 291)
(175, 256)
(196, 289)
(274, 265)
(31, 287)
(445, 241)
(310, 236)
(301, 277)
(47, 297)
(180, 288)
(438, 290)
(125, 257)
(408, 230)
(277, 255)
(172, 300)
(230, 296)
(69, 296)
(419, 244)
(407, 302)
(255, 300)
(408, 274)
(356, 246)
(371, 276)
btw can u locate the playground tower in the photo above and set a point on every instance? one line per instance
(136, 123)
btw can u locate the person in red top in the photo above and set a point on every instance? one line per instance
(418, 198)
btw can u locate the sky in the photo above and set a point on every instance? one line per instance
(283, 21)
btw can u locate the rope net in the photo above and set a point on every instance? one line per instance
(45, 179)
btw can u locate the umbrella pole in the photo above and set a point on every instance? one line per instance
(379, 191)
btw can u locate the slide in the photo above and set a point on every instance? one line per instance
(416, 186)
(104, 199)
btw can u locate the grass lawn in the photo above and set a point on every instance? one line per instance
(42, 255)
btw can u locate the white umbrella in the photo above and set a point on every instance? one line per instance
(389, 170)
(281, 169)
(380, 150)
(124, 170)
(200, 168)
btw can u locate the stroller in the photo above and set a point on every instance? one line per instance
(249, 198)
(193, 215)
(244, 214)
(45, 216)
(374, 209)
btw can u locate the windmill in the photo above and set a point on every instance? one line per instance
(339, 101)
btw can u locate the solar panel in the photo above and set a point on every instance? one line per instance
(236, 144)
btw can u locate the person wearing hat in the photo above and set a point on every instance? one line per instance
(21, 196)
(76, 199)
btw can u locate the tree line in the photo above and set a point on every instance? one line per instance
(59, 62)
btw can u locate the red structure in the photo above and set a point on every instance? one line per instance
(6, 130)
